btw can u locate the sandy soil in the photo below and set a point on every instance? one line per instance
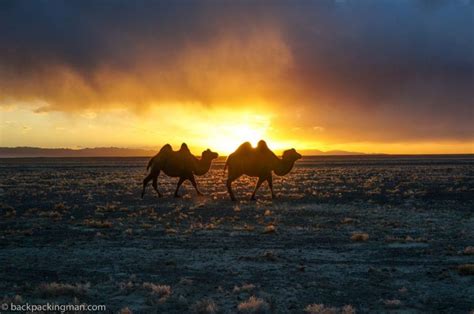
(379, 236)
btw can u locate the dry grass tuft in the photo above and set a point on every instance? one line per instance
(94, 223)
(163, 291)
(10, 213)
(406, 239)
(392, 303)
(171, 231)
(359, 236)
(269, 229)
(56, 289)
(60, 206)
(322, 309)
(466, 269)
(186, 282)
(244, 288)
(126, 286)
(206, 306)
(17, 299)
(147, 226)
(254, 305)
(348, 220)
(125, 310)
(53, 214)
(469, 250)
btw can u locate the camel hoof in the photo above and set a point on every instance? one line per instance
(177, 196)
(160, 195)
(253, 198)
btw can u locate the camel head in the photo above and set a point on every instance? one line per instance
(291, 155)
(209, 155)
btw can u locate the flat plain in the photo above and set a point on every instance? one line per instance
(346, 234)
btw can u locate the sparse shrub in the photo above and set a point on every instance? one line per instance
(56, 289)
(206, 306)
(254, 305)
(466, 269)
(360, 236)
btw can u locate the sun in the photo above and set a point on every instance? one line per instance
(229, 136)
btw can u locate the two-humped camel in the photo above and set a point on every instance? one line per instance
(180, 164)
(258, 162)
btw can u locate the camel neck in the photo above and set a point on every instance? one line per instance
(202, 166)
(283, 167)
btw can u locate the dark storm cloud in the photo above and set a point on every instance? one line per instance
(404, 67)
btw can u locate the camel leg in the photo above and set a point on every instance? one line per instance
(181, 180)
(193, 182)
(155, 184)
(257, 186)
(145, 182)
(229, 188)
(270, 184)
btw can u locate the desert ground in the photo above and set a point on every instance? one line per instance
(346, 234)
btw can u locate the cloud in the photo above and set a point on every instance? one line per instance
(385, 70)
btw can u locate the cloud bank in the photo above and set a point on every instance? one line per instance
(374, 70)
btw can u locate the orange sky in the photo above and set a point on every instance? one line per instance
(345, 76)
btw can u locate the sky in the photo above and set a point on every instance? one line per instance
(374, 76)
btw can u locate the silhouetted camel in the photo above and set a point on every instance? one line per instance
(258, 162)
(180, 164)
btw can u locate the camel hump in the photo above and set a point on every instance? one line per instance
(163, 151)
(262, 146)
(184, 148)
(244, 148)
(166, 148)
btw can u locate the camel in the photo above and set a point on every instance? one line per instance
(180, 164)
(258, 162)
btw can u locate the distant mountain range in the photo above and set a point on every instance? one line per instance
(112, 152)
(68, 152)
(317, 152)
